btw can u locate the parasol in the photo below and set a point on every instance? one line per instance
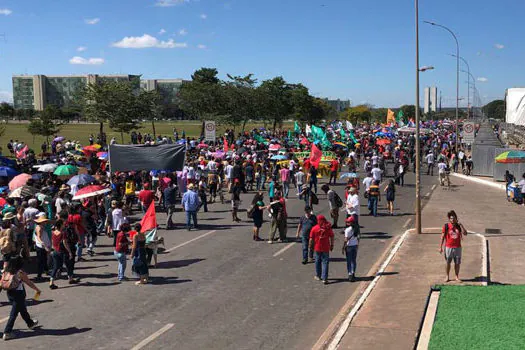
(514, 156)
(274, 147)
(46, 168)
(278, 157)
(348, 175)
(91, 191)
(82, 179)
(66, 170)
(8, 171)
(382, 142)
(19, 181)
(59, 139)
(22, 192)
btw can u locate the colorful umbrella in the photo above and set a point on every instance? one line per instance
(22, 192)
(66, 170)
(19, 181)
(278, 157)
(202, 145)
(511, 157)
(383, 142)
(8, 171)
(348, 175)
(46, 168)
(59, 139)
(91, 191)
(274, 147)
(82, 179)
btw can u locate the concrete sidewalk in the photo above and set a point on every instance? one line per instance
(390, 318)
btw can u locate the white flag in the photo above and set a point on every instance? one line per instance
(349, 125)
(308, 130)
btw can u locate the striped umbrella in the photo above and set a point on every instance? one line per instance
(511, 157)
(22, 192)
(91, 191)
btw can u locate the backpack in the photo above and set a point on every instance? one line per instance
(71, 235)
(6, 243)
(314, 198)
(338, 200)
(250, 211)
(9, 281)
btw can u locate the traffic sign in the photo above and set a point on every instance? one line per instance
(469, 132)
(209, 130)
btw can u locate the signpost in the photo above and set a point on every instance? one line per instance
(469, 131)
(209, 130)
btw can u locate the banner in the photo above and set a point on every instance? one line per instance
(315, 156)
(209, 130)
(146, 157)
(326, 155)
(390, 118)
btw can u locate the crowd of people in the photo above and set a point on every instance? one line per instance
(59, 214)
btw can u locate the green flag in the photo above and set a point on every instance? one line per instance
(289, 134)
(320, 135)
(297, 128)
(342, 131)
(354, 140)
(400, 116)
(259, 139)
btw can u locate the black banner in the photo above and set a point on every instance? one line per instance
(146, 157)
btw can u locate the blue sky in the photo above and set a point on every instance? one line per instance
(349, 49)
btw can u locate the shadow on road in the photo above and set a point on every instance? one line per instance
(167, 280)
(177, 263)
(54, 332)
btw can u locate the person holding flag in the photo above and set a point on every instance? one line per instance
(315, 158)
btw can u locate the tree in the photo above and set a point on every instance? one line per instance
(149, 107)
(240, 100)
(409, 111)
(113, 101)
(357, 114)
(379, 114)
(46, 124)
(201, 97)
(495, 109)
(275, 100)
(6, 110)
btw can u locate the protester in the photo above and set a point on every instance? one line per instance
(334, 203)
(278, 220)
(374, 197)
(42, 245)
(390, 191)
(169, 195)
(190, 203)
(139, 258)
(350, 245)
(322, 242)
(352, 204)
(121, 250)
(451, 237)
(236, 199)
(306, 223)
(257, 214)
(13, 280)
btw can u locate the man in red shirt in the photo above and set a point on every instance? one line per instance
(322, 242)
(146, 196)
(451, 236)
(334, 167)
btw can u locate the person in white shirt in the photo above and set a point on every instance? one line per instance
(442, 171)
(299, 180)
(375, 158)
(367, 181)
(350, 246)
(228, 171)
(430, 161)
(212, 165)
(352, 204)
(377, 173)
(521, 184)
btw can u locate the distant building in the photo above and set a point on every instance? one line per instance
(339, 105)
(37, 91)
(168, 88)
(430, 99)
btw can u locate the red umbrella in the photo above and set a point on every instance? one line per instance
(383, 142)
(3, 202)
(202, 145)
(91, 191)
(19, 181)
(274, 147)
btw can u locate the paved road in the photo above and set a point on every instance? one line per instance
(219, 290)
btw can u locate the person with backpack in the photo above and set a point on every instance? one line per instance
(451, 237)
(334, 202)
(350, 245)
(70, 245)
(7, 238)
(374, 196)
(322, 242)
(60, 249)
(13, 280)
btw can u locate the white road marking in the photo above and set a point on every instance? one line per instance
(407, 223)
(434, 187)
(427, 195)
(334, 344)
(288, 246)
(153, 337)
(190, 241)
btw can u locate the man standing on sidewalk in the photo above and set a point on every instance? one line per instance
(451, 236)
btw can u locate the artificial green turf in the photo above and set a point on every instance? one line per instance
(472, 317)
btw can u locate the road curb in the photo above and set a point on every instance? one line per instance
(428, 320)
(485, 264)
(481, 181)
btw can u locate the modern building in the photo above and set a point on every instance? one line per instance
(167, 88)
(431, 101)
(37, 91)
(339, 105)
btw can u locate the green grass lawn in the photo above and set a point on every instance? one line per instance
(81, 132)
(472, 317)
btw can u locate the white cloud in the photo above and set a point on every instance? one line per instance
(204, 16)
(483, 79)
(6, 96)
(92, 21)
(5, 12)
(201, 46)
(162, 31)
(86, 61)
(183, 32)
(499, 46)
(169, 3)
(81, 48)
(147, 41)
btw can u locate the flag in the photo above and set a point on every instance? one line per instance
(352, 137)
(259, 139)
(289, 134)
(342, 131)
(349, 125)
(22, 154)
(390, 118)
(225, 145)
(297, 128)
(400, 115)
(315, 156)
(308, 130)
(149, 223)
(320, 135)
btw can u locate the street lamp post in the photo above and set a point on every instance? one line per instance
(457, 77)
(469, 75)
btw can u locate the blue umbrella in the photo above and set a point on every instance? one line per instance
(348, 175)
(278, 157)
(8, 171)
(82, 179)
(7, 162)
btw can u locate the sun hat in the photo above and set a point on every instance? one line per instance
(8, 216)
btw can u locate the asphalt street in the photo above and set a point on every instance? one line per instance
(214, 288)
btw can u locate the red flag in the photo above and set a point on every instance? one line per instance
(315, 156)
(149, 221)
(22, 153)
(225, 145)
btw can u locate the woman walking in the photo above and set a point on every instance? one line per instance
(139, 258)
(390, 190)
(60, 249)
(350, 246)
(121, 250)
(42, 245)
(13, 280)
(257, 214)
